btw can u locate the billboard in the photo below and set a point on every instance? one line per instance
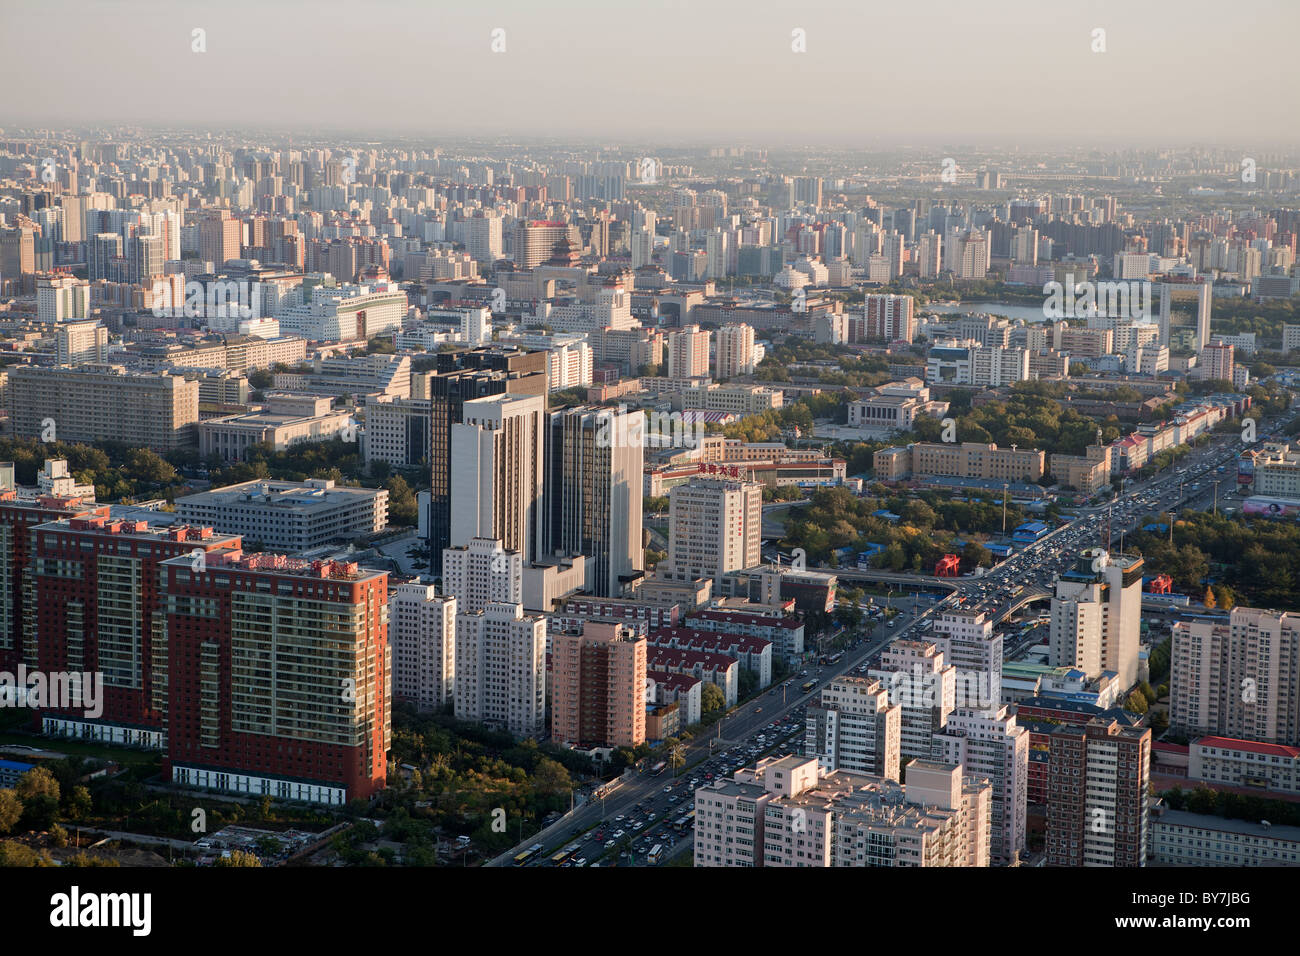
(1246, 468)
(1256, 507)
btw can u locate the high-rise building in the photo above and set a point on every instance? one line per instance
(93, 583)
(461, 377)
(1096, 615)
(536, 242)
(888, 317)
(1215, 362)
(597, 683)
(501, 668)
(924, 686)
(1237, 678)
(594, 461)
(1097, 781)
(788, 812)
(62, 299)
(714, 528)
(276, 676)
(971, 645)
(735, 351)
(853, 726)
(79, 343)
(422, 634)
(1183, 305)
(688, 352)
(220, 237)
(482, 573)
(989, 743)
(497, 473)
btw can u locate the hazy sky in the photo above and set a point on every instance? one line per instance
(998, 72)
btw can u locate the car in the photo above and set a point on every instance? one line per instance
(758, 710)
(619, 834)
(637, 826)
(609, 844)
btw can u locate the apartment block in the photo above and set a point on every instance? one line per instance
(714, 528)
(598, 681)
(924, 687)
(422, 634)
(991, 744)
(278, 674)
(1097, 800)
(501, 668)
(853, 726)
(788, 812)
(1237, 678)
(734, 351)
(482, 573)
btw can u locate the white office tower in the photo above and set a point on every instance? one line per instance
(853, 726)
(594, 462)
(79, 343)
(924, 687)
(62, 299)
(1096, 615)
(422, 634)
(989, 743)
(735, 352)
(476, 326)
(482, 573)
(688, 352)
(497, 472)
(970, 644)
(1238, 678)
(501, 668)
(714, 528)
(483, 237)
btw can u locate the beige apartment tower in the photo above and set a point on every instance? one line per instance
(598, 686)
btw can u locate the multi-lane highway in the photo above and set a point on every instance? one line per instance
(642, 811)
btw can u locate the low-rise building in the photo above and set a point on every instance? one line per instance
(290, 516)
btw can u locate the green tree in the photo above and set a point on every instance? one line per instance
(550, 777)
(11, 811)
(37, 782)
(712, 699)
(402, 506)
(1136, 703)
(239, 858)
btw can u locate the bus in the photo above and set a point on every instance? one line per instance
(807, 686)
(532, 851)
(565, 854)
(832, 658)
(658, 768)
(656, 853)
